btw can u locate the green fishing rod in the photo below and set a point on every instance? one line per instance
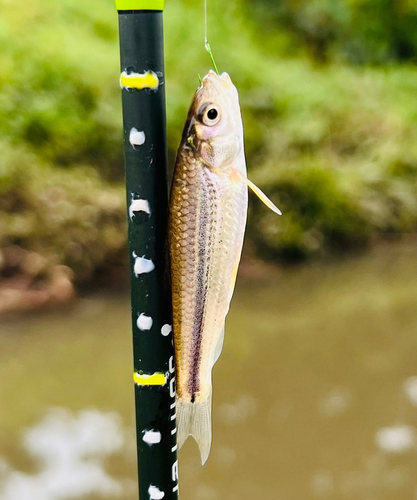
(142, 80)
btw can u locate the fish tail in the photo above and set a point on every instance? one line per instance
(194, 419)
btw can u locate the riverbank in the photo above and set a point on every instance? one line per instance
(33, 287)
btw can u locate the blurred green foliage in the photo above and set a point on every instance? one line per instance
(333, 143)
(358, 31)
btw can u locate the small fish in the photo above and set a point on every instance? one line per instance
(208, 207)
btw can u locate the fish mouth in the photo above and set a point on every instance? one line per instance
(222, 80)
(217, 87)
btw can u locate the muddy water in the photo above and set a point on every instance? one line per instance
(315, 394)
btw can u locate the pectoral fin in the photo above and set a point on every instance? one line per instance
(260, 194)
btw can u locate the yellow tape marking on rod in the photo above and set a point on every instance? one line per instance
(155, 379)
(139, 81)
(140, 4)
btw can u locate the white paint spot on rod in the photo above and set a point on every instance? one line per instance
(175, 471)
(144, 322)
(171, 365)
(166, 330)
(155, 493)
(172, 387)
(142, 265)
(136, 137)
(139, 206)
(151, 437)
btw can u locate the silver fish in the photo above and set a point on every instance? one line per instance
(208, 208)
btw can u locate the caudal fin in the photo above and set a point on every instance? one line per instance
(194, 419)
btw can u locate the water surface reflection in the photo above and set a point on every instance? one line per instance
(70, 451)
(314, 395)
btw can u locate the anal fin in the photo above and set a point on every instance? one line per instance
(219, 347)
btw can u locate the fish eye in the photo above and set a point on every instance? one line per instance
(210, 115)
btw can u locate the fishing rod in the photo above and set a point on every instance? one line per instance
(145, 149)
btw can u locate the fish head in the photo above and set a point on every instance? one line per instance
(214, 126)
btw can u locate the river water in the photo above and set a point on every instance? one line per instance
(315, 394)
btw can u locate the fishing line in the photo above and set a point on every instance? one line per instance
(206, 43)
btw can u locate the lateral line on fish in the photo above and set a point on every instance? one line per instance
(201, 292)
(156, 378)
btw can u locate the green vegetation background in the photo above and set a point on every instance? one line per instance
(328, 90)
